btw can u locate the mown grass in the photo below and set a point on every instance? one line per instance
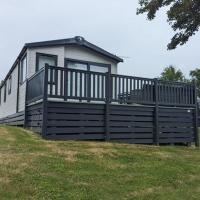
(32, 168)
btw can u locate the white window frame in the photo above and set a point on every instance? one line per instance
(23, 75)
(10, 85)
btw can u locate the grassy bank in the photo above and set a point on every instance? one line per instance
(32, 168)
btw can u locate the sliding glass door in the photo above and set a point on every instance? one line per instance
(86, 84)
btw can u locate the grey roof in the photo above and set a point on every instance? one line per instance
(78, 40)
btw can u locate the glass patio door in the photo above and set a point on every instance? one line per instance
(78, 83)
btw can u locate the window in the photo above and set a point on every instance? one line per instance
(42, 59)
(23, 69)
(87, 66)
(5, 89)
(9, 85)
(95, 68)
(74, 65)
(84, 65)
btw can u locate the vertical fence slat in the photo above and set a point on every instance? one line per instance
(89, 86)
(196, 132)
(115, 96)
(119, 89)
(102, 85)
(71, 83)
(107, 105)
(98, 88)
(81, 85)
(156, 114)
(45, 98)
(85, 86)
(93, 85)
(61, 83)
(56, 81)
(76, 84)
(51, 80)
(66, 84)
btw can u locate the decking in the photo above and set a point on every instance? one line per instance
(63, 103)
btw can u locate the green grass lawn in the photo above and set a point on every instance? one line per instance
(32, 168)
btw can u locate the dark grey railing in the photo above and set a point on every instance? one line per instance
(35, 87)
(129, 89)
(76, 84)
(68, 84)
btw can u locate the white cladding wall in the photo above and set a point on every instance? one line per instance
(81, 53)
(59, 51)
(22, 95)
(9, 107)
(31, 67)
(74, 52)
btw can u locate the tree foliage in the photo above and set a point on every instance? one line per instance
(172, 74)
(183, 16)
(195, 77)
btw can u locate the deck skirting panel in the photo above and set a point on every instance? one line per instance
(129, 124)
(16, 119)
(34, 117)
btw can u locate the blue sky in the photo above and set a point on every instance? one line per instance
(112, 25)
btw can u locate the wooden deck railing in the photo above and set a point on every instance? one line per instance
(72, 84)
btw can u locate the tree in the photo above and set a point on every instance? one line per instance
(195, 77)
(183, 16)
(172, 74)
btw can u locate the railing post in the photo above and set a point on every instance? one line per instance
(25, 110)
(196, 131)
(88, 86)
(45, 98)
(156, 114)
(66, 86)
(107, 109)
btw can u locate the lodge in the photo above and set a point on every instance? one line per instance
(70, 89)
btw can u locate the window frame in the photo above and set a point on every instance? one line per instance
(38, 55)
(5, 92)
(21, 71)
(88, 63)
(9, 84)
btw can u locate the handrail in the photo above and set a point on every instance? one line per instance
(34, 87)
(36, 74)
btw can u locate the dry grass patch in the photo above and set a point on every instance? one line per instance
(100, 152)
(148, 191)
(6, 135)
(101, 149)
(4, 180)
(68, 155)
(9, 158)
(163, 155)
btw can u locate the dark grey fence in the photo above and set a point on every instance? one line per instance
(16, 119)
(65, 83)
(128, 89)
(76, 84)
(68, 83)
(35, 87)
(164, 123)
(132, 124)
